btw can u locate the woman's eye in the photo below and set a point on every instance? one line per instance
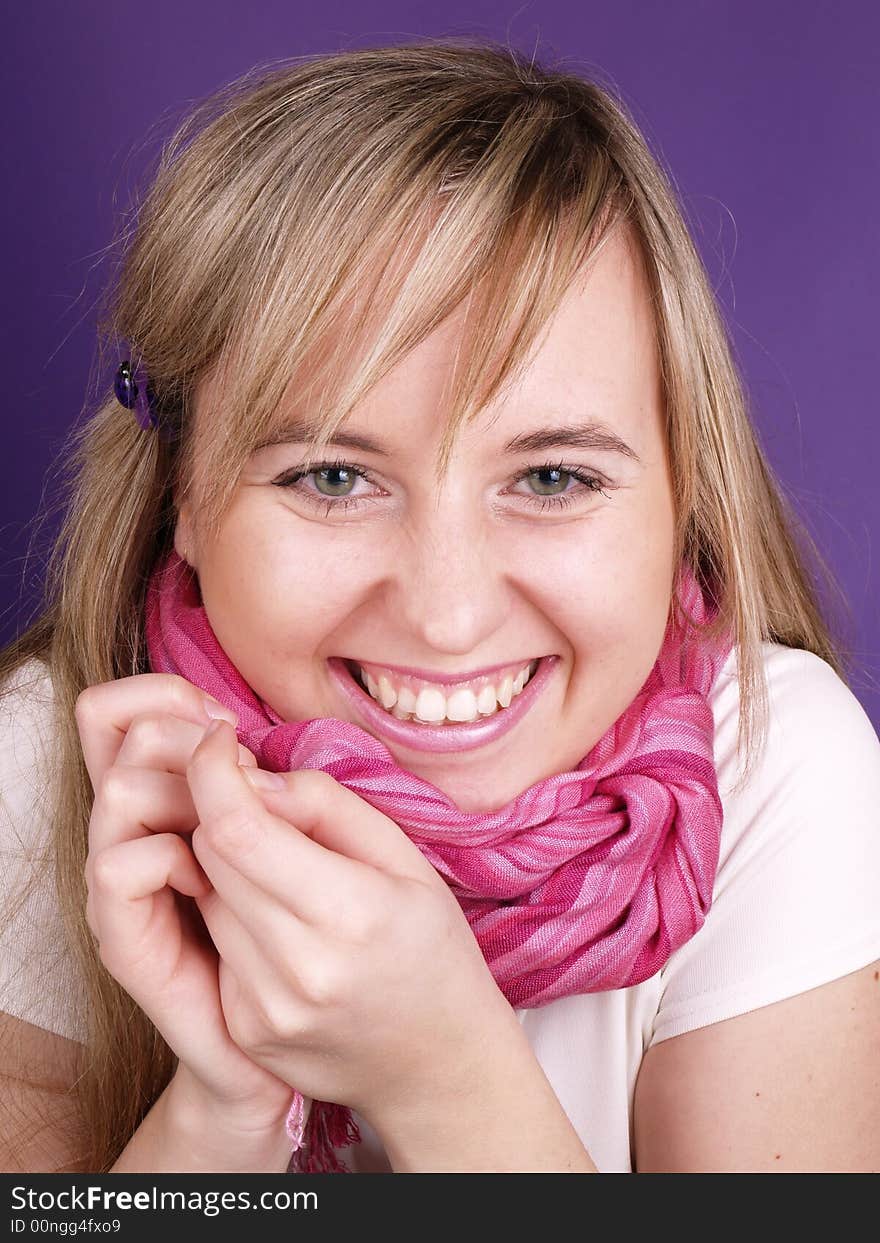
(337, 480)
(554, 491)
(334, 485)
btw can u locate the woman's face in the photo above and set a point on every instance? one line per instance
(478, 570)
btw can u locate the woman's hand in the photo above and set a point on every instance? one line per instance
(347, 966)
(138, 735)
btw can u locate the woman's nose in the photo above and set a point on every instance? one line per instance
(451, 588)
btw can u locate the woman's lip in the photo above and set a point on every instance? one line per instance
(440, 738)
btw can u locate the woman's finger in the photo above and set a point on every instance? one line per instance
(104, 712)
(250, 958)
(263, 848)
(142, 939)
(148, 772)
(128, 881)
(161, 741)
(272, 922)
(145, 931)
(124, 792)
(344, 822)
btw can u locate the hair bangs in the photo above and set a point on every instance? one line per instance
(497, 233)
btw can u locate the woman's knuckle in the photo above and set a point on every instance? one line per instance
(311, 788)
(243, 1031)
(284, 1021)
(85, 707)
(317, 985)
(105, 872)
(184, 698)
(146, 732)
(115, 791)
(313, 781)
(272, 1016)
(233, 831)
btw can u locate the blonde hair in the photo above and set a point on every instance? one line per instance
(308, 226)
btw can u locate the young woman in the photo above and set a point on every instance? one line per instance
(426, 470)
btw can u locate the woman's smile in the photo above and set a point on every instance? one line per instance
(426, 725)
(430, 698)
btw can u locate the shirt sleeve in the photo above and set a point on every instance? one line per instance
(797, 892)
(38, 981)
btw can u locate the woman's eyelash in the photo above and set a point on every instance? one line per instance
(293, 479)
(588, 482)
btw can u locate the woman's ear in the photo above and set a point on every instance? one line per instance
(183, 535)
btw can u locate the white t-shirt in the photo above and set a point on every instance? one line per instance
(796, 898)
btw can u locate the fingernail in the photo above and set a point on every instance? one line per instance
(261, 780)
(218, 711)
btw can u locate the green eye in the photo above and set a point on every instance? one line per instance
(336, 487)
(333, 484)
(551, 470)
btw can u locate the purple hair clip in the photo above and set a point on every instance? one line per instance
(134, 391)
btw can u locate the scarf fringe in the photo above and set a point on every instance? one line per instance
(329, 1126)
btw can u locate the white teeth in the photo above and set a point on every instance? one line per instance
(406, 699)
(462, 706)
(431, 706)
(487, 701)
(387, 693)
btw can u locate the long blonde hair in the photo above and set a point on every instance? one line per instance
(358, 198)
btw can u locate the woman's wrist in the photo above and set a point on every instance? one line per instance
(189, 1130)
(501, 1115)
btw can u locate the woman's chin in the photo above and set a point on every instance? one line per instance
(471, 800)
(476, 792)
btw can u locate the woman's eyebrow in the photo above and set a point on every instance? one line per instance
(589, 435)
(300, 434)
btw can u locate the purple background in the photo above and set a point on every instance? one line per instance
(766, 114)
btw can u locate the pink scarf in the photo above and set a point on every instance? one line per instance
(622, 852)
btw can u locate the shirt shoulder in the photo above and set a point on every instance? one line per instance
(38, 982)
(795, 896)
(811, 711)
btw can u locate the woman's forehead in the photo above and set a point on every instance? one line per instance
(595, 359)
